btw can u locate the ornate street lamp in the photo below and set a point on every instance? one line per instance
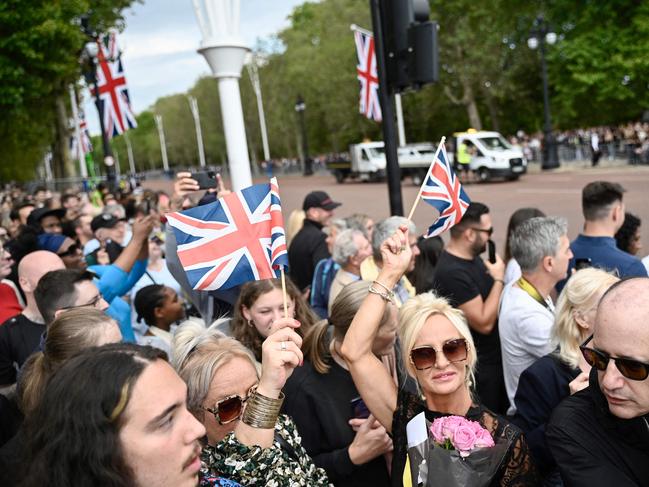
(539, 36)
(224, 51)
(300, 107)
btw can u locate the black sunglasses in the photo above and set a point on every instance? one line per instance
(488, 231)
(454, 350)
(230, 408)
(629, 368)
(72, 250)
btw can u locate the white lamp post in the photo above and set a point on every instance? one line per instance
(225, 51)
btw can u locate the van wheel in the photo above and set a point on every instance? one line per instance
(483, 174)
(340, 176)
(417, 178)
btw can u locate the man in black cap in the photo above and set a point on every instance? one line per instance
(308, 246)
(47, 220)
(109, 231)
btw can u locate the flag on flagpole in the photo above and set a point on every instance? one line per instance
(86, 144)
(236, 239)
(114, 100)
(442, 189)
(369, 105)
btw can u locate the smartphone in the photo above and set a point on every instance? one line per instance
(205, 179)
(583, 263)
(146, 206)
(359, 409)
(491, 247)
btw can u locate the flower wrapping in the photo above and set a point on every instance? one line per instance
(457, 452)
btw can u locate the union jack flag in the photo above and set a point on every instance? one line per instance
(236, 239)
(114, 101)
(442, 189)
(370, 105)
(86, 144)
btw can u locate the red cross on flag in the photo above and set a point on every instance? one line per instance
(370, 105)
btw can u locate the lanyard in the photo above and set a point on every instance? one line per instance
(526, 286)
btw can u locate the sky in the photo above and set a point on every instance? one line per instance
(160, 41)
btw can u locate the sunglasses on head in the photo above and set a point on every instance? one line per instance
(72, 250)
(629, 368)
(230, 408)
(425, 357)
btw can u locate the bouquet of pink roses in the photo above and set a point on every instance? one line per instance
(461, 434)
(453, 451)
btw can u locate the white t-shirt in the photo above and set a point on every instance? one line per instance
(512, 271)
(524, 325)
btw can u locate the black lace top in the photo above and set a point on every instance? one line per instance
(517, 468)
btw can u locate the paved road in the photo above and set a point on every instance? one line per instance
(555, 193)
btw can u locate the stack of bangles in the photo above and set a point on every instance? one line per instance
(386, 293)
(261, 411)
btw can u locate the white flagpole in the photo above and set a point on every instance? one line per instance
(163, 144)
(83, 170)
(129, 151)
(400, 127)
(193, 105)
(254, 79)
(421, 188)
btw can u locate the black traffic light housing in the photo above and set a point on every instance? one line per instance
(410, 44)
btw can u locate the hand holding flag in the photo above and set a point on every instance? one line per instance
(442, 189)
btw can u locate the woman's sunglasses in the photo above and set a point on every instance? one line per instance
(230, 408)
(454, 350)
(631, 369)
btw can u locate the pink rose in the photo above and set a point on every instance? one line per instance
(436, 430)
(464, 439)
(451, 423)
(483, 438)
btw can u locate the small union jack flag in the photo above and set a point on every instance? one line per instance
(86, 144)
(113, 92)
(236, 239)
(370, 105)
(442, 189)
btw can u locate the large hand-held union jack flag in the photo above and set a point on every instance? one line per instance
(236, 239)
(442, 189)
(113, 92)
(370, 105)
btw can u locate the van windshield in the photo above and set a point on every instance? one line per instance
(495, 143)
(375, 151)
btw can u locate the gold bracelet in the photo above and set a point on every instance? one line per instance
(386, 297)
(261, 411)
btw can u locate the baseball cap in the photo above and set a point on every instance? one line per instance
(319, 199)
(105, 220)
(38, 214)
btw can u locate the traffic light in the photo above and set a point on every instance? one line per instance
(410, 44)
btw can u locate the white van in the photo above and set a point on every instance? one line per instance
(494, 157)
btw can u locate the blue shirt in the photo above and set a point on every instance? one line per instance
(604, 254)
(323, 276)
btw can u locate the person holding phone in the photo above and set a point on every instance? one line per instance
(336, 427)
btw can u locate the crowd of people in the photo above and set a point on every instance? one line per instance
(114, 371)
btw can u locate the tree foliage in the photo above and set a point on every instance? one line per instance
(598, 73)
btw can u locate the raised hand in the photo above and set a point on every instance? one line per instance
(280, 354)
(396, 254)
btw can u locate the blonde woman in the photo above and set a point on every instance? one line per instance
(238, 403)
(439, 354)
(551, 378)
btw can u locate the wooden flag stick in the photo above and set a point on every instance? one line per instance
(421, 188)
(281, 270)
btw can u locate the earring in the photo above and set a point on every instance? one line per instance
(251, 324)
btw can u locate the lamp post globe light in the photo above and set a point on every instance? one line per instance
(225, 51)
(541, 35)
(300, 107)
